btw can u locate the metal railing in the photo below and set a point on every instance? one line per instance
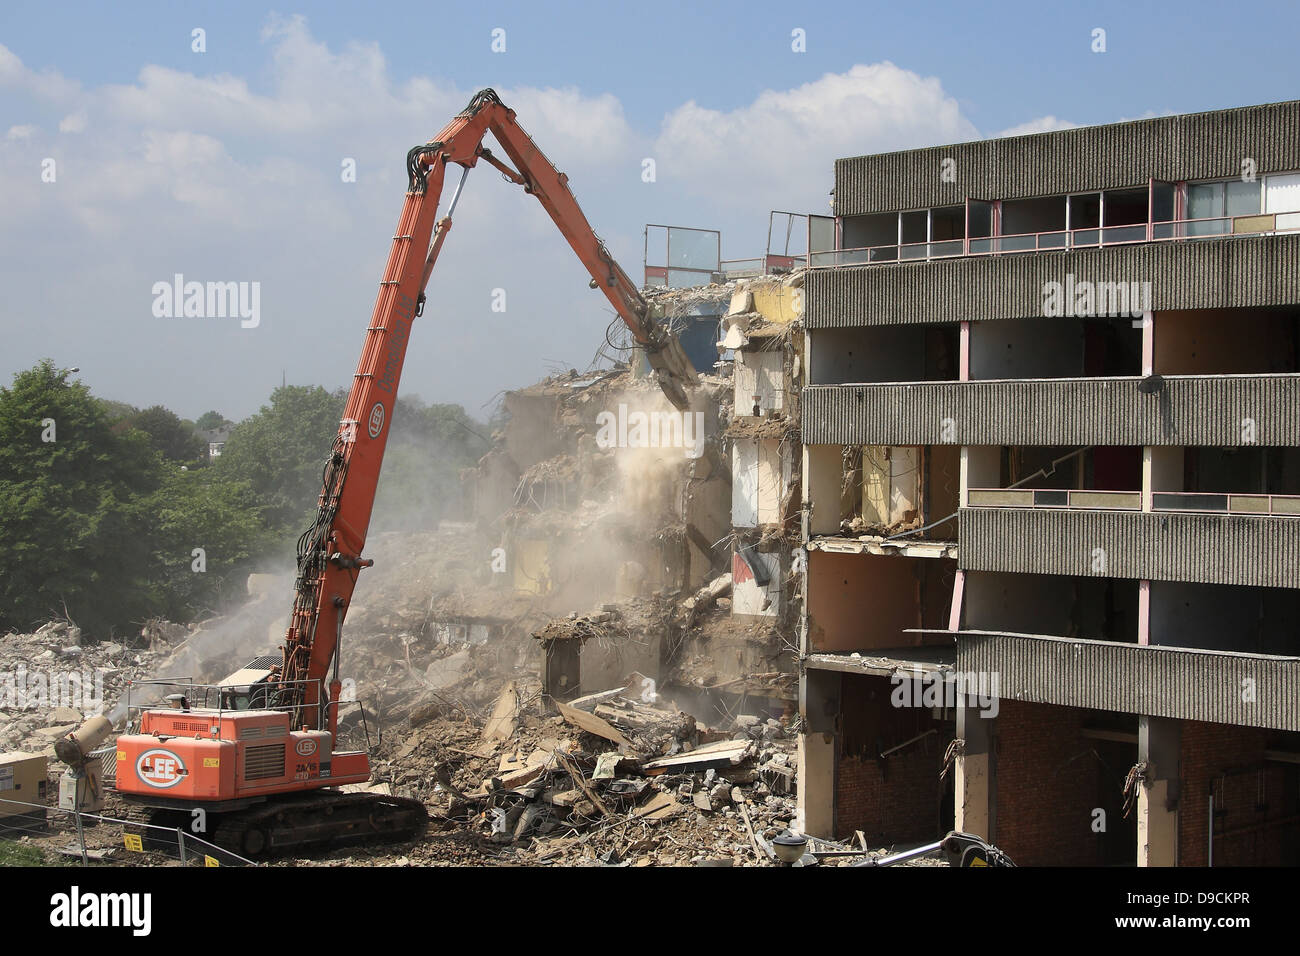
(1196, 501)
(1079, 498)
(215, 699)
(692, 256)
(1218, 503)
(1218, 227)
(33, 820)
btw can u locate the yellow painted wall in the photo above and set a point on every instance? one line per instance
(775, 301)
(532, 566)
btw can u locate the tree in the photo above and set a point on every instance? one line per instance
(420, 482)
(280, 452)
(209, 421)
(207, 533)
(168, 435)
(70, 513)
(117, 411)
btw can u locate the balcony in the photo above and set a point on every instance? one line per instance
(1181, 501)
(1058, 240)
(1072, 498)
(1179, 683)
(1183, 410)
(1255, 550)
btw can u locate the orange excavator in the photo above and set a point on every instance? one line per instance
(256, 752)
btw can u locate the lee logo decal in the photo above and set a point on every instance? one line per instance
(376, 424)
(305, 748)
(160, 769)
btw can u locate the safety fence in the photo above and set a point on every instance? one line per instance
(96, 839)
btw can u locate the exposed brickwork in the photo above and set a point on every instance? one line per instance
(1243, 800)
(1046, 786)
(898, 798)
(891, 801)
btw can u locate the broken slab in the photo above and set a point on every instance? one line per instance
(592, 724)
(659, 807)
(726, 753)
(501, 725)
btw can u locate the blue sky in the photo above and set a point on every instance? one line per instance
(223, 165)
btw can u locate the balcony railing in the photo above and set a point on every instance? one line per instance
(1225, 504)
(1057, 240)
(1055, 498)
(1082, 499)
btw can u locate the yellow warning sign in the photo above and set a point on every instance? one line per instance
(133, 842)
(121, 755)
(210, 861)
(212, 761)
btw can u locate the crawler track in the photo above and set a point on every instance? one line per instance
(325, 819)
(321, 820)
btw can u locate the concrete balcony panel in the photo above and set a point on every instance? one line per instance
(1251, 550)
(1221, 410)
(1170, 682)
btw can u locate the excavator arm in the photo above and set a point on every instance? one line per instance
(329, 552)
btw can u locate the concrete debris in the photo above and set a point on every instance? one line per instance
(620, 782)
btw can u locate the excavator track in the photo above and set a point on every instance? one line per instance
(321, 820)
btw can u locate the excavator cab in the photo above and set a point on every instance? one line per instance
(249, 687)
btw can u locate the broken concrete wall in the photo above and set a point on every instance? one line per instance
(761, 471)
(758, 581)
(763, 331)
(759, 381)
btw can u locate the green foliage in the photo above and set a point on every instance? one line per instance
(281, 451)
(168, 435)
(117, 411)
(420, 481)
(210, 420)
(99, 519)
(70, 515)
(20, 854)
(200, 509)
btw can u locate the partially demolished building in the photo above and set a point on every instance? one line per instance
(661, 542)
(1051, 488)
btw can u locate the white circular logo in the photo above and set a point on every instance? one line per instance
(376, 420)
(160, 769)
(305, 748)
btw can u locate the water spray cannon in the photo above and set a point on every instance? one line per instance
(81, 786)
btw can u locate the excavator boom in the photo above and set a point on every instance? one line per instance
(329, 553)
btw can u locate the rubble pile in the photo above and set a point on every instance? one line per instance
(613, 778)
(50, 680)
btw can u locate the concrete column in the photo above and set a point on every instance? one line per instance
(1162, 470)
(1159, 746)
(964, 361)
(981, 467)
(823, 473)
(819, 705)
(815, 804)
(954, 609)
(975, 795)
(1148, 324)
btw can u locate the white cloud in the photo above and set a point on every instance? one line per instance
(222, 179)
(212, 177)
(783, 145)
(1043, 124)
